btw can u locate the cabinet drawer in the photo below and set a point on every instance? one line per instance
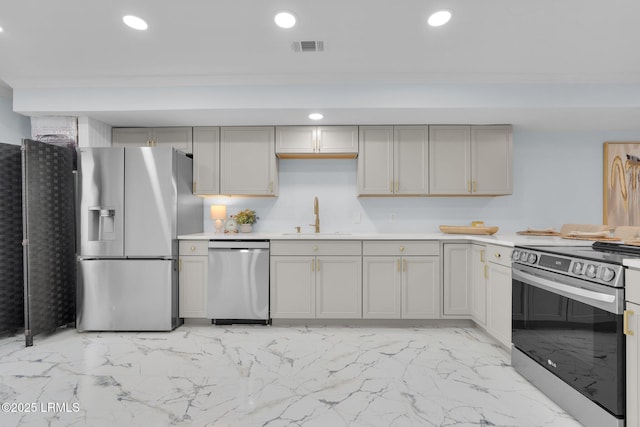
(194, 247)
(398, 247)
(313, 247)
(632, 286)
(499, 254)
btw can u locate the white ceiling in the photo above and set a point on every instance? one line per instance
(550, 64)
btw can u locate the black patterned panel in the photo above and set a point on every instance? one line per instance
(11, 273)
(50, 281)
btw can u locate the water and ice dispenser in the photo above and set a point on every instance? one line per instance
(102, 223)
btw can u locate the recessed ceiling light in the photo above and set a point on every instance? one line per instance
(285, 19)
(1, 30)
(316, 116)
(439, 18)
(135, 22)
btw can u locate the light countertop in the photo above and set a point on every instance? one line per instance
(496, 239)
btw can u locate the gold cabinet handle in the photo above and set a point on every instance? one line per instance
(482, 255)
(625, 327)
(398, 263)
(270, 186)
(498, 255)
(313, 264)
(486, 271)
(404, 264)
(391, 186)
(401, 248)
(397, 186)
(317, 265)
(475, 186)
(193, 190)
(180, 265)
(468, 186)
(193, 248)
(314, 248)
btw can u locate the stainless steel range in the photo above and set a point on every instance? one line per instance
(567, 320)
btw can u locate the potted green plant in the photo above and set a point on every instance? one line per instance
(246, 219)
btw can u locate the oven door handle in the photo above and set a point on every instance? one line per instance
(565, 290)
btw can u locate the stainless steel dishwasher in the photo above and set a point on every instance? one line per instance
(238, 288)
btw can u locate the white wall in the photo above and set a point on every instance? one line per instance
(13, 126)
(557, 179)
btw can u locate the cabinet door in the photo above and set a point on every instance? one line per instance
(479, 284)
(491, 171)
(457, 279)
(292, 287)
(382, 277)
(411, 160)
(193, 286)
(633, 366)
(179, 138)
(420, 287)
(449, 160)
(499, 303)
(295, 139)
(339, 287)
(375, 161)
(337, 139)
(131, 137)
(248, 161)
(206, 160)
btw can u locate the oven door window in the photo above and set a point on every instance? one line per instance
(581, 344)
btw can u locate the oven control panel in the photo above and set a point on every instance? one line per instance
(608, 274)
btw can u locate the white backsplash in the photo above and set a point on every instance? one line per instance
(557, 179)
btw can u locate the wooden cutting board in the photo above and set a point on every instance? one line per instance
(468, 229)
(538, 233)
(594, 238)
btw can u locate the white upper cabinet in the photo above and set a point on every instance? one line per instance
(179, 138)
(375, 161)
(411, 160)
(317, 141)
(393, 160)
(470, 160)
(248, 163)
(206, 160)
(491, 160)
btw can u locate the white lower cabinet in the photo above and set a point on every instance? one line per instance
(398, 284)
(632, 332)
(193, 274)
(633, 364)
(316, 280)
(457, 280)
(479, 276)
(293, 287)
(382, 288)
(339, 287)
(499, 293)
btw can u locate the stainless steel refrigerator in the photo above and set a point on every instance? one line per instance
(133, 204)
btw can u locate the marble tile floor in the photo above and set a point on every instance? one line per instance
(215, 376)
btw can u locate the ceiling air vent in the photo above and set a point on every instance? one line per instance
(308, 46)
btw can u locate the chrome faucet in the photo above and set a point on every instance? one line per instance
(316, 212)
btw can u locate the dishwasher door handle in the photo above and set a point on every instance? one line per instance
(238, 244)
